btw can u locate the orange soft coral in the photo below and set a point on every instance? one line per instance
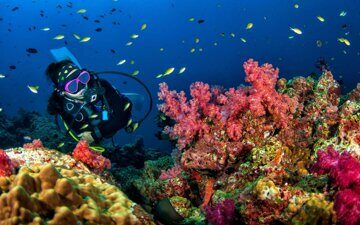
(209, 191)
(94, 160)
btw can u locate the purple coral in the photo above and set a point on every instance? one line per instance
(345, 171)
(222, 213)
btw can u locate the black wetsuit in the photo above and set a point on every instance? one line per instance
(82, 117)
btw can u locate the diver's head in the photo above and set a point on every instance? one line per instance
(68, 78)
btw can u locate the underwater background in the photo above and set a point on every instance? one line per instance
(249, 145)
(168, 27)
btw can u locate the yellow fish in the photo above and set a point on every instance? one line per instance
(136, 125)
(249, 26)
(121, 62)
(162, 117)
(132, 62)
(192, 50)
(320, 18)
(159, 75)
(201, 49)
(129, 122)
(182, 70)
(84, 126)
(134, 36)
(291, 37)
(81, 11)
(136, 72)
(169, 71)
(33, 89)
(85, 39)
(343, 13)
(76, 36)
(2, 76)
(296, 30)
(197, 40)
(129, 43)
(161, 49)
(61, 145)
(344, 40)
(192, 19)
(215, 43)
(243, 40)
(143, 27)
(45, 29)
(93, 116)
(232, 35)
(59, 37)
(296, 6)
(127, 105)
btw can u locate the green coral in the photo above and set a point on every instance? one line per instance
(312, 183)
(263, 155)
(191, 215)
(316, 210)
(148, 183)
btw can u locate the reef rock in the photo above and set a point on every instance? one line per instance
(52, 188)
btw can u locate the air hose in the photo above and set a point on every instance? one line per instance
(137, 80)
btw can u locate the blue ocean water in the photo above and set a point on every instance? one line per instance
(168, 27)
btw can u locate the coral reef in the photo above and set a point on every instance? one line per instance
(94, 160)
(255, 145)
(131, 154)
(52, 188)
(223, 213)
(47, 195)
(34, 126)
(344, 170)
(6, 166)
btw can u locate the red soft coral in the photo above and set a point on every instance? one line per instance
(345, 172)
(35, 144)
(6, 167)
(94, 160)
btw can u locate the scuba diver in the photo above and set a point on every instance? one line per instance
(90, 107)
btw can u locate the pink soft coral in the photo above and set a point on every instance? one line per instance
(344, 170)
(6, 167)
(170, 173)
(35, 144)
(94, 160)
(207, 125)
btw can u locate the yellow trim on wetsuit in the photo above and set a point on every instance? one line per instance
(74, 136)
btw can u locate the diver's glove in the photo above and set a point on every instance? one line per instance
(87, 137)
(131, 126)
